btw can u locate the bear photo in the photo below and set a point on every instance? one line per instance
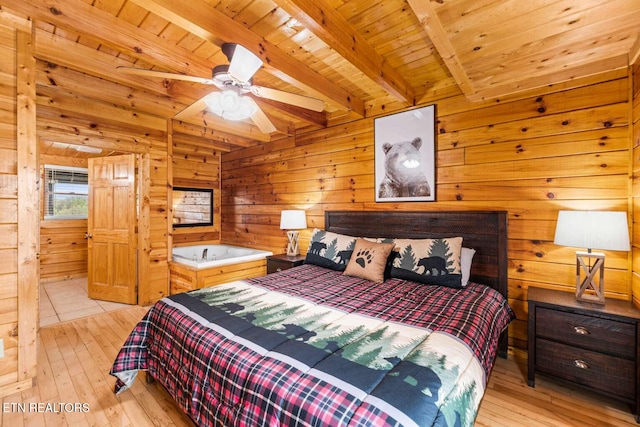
(405, 161)
(403, 171)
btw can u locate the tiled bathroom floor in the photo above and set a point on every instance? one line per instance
(68, 300)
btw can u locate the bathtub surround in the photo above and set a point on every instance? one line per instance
(190, 270)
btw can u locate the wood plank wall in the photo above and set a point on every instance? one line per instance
(635, 140)
(563, 147)
(8, 208)
(63, 248)
(18, 217)
(196, 164)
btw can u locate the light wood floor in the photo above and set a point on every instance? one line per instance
(75, 357)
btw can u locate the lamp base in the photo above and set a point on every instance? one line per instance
(292, 245)
(590, 289)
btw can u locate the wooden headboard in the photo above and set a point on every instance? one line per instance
(484, 231)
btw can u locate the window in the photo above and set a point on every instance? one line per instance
(66, 192)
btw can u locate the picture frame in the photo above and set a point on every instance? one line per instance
(404, 151)
(192, 207)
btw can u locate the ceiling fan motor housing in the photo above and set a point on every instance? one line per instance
(223, 79)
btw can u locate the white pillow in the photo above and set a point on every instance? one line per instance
(466, 257)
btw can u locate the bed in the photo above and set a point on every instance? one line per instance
(315, 346)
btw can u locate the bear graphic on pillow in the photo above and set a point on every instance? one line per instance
(404, 176)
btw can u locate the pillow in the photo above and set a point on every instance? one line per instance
(330, 250)
(466, 257)
(369, 260)
(429, 261)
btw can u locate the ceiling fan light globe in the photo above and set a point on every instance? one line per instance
(229, 100)
(231, 106)
(246, 109)
(213, 103)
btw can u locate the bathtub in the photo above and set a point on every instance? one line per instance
(216, 255)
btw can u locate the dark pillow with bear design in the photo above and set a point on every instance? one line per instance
(429, 261)
(330, 250)
(369, 260)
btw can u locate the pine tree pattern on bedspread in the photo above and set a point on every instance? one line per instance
(309, 346)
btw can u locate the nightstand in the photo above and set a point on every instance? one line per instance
(281, 262)
(594, 346)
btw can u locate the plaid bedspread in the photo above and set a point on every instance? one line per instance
(310, 347)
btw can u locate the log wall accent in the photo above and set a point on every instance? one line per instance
(63, 248)
(19, 241)
(565, 147)
(9, 211)
(196, 164)
(635, 141)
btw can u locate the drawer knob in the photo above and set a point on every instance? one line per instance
(580, 364)
(581, 330)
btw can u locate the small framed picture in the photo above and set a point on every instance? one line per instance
(405, 167)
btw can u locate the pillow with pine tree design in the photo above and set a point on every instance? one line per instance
(330, 250)
(428, 261)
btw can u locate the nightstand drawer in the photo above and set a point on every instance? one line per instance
(596, 370)
(589, 332)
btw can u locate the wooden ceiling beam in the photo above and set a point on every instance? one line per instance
(313, 118)
(206, 22)
(323, 20)
(104, 28)
(428, 18)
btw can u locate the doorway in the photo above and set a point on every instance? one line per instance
(64, 250)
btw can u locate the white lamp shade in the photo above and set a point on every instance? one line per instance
(293, 220)
(244, 64)
(604, 230)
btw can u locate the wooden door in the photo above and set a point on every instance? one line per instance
(112, 267)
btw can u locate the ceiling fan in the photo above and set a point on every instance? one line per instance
(235, 81)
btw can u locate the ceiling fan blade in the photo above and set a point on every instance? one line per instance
(165, 75)
(244, 64)
(288, 98)
(261, 120)
(192, 109)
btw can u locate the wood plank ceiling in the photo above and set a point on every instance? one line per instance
(361, 57)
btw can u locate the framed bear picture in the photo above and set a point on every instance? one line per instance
(405, 166)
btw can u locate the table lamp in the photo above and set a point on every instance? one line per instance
(293, 220)
(605, 230)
